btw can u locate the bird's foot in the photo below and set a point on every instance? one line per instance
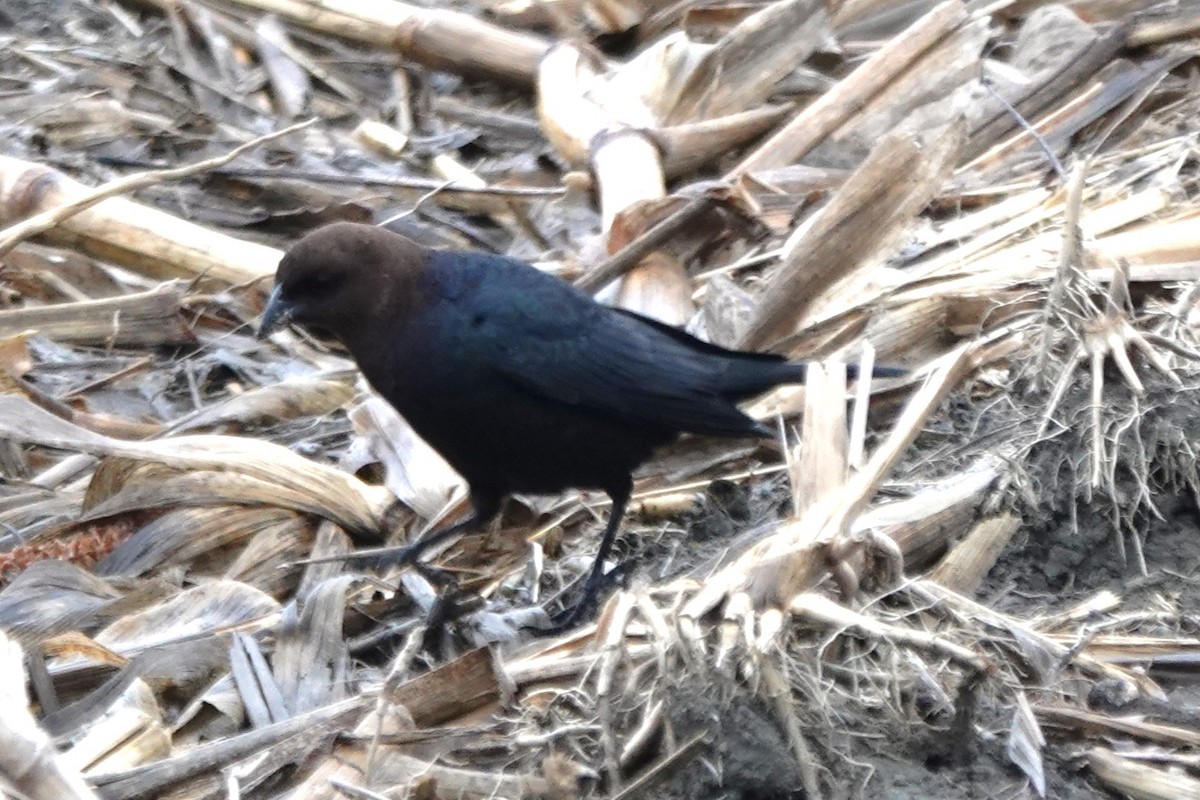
(566, 620)
(594, 590)
(451, 605)
(439, 578)
(560, 623)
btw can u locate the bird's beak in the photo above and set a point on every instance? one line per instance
(276, 314)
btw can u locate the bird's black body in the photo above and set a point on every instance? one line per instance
(522, 382)
(525, 384)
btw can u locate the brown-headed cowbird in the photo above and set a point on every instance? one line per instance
(521, 381)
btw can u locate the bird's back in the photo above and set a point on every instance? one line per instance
(556, 340)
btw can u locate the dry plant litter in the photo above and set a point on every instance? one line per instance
(978, 581)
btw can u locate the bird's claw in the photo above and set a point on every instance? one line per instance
(451, 605)
(437, 577)
(594, 589)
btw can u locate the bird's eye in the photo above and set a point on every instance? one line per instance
(314, 283)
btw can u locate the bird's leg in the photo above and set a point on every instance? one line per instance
(484, 507)
(449, 604)
(595, 580)
(410, 553)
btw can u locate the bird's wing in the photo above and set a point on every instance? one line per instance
(555, 342)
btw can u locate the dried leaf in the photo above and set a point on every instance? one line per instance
(216, 607)
(52, 597)
(272, 473)
(183, 534)
(1025, 743)
(29, 761)
(414, 472)
(312, 662)
(130, 733)
(288, 79)
(290, 399)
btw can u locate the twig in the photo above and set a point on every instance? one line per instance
(356, 791)
(383, 181)
(777, 691)
(420, 202)
(629, 256)
(665, 767)
(610, 657)
(820, 609)
(1067, 261)
(13, 235)
(1028, 128)
(396, 675)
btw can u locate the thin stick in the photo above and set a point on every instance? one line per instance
(1067, 260)
(13, 235)
(1025, 125)
(417, 184)
(628, 257)
(396, 675)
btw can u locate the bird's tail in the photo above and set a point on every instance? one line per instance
(751, 374)
(746, 377)
(877, 371)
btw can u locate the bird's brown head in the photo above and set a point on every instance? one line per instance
(338, 276)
